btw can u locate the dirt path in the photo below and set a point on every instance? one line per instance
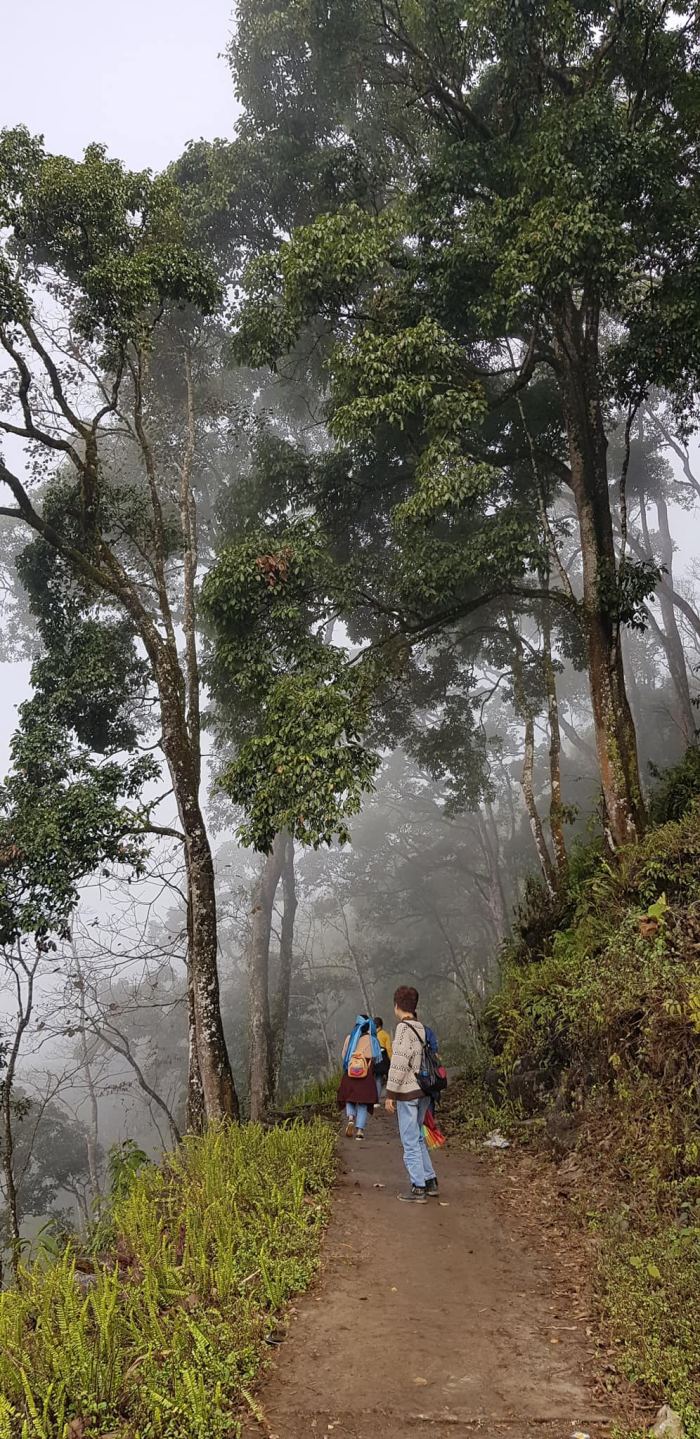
(432, 1320)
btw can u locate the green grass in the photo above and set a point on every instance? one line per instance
(207, 1249)
(320, 1094)
(650, 1297)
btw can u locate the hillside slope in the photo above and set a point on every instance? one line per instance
(595, 1042)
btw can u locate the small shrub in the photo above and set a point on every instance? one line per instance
(678, 788)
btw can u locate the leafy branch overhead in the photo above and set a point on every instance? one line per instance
(301, 708)
(488, 309)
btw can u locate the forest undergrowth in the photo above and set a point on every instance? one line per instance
(593, 1058)
(155, 1328)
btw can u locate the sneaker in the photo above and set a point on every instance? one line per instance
(431, 1189)
(350, 1129)
(416, 1196)
(359, 1133)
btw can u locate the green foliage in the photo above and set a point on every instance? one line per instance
(587, 983)
(601, 994)
(311, 769)
(320, 1094)
(71, 801)
(301, 763)
(651, 1302)
(677, 789)
(169, 1330)
(124, 1162)
(62, 814)
(540, 165)
(117, 235)
(49, 1153)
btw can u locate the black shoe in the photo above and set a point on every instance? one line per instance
(416, 1196)
(431, 1189)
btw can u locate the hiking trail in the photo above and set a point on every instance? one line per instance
(431, 1320)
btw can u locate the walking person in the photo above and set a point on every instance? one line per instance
(358, 1086)
(405, 1097)
(382, 1069)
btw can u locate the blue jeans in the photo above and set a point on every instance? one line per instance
(358, 1114)
(411, 1115)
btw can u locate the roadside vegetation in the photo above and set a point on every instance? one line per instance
(157, 1326)
(594, 1040)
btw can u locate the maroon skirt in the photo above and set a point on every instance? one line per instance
(358, 1091)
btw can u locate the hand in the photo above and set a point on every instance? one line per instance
(390, 1106)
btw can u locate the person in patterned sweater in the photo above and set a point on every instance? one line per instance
(405, 1098)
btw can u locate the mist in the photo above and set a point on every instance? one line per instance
(471, 779)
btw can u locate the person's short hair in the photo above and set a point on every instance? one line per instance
(378, 1023)
(406, 998)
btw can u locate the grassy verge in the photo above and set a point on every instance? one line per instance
(595, 1034)
(161, 1339)
(319, 1094)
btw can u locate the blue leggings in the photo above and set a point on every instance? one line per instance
(357, 1113)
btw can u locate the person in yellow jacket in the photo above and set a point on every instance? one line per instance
(385, 1041)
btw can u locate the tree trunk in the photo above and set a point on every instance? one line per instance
(497, 902)
(556, 817)
(280, 1005)
(196, 1115)
(259, 979)
(25, 1006)
(576, 350)
(8, 1164)
(364, 981)
(536, 826)
(673, 643)
(142, 595)
(527, 780)
(92, 1135)
(220, 1098)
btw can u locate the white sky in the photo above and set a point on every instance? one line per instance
(143, 76)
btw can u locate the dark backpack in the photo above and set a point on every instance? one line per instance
(432, 1076)
(383, 1065)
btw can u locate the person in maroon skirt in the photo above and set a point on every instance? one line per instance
(357, 1091)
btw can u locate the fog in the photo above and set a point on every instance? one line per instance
(459, 824)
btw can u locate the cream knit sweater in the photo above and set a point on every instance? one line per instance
(402, 1081)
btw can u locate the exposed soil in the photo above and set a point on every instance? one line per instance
(439, 1319)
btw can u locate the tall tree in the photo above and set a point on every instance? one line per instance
(99, 284)
(547, 170)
